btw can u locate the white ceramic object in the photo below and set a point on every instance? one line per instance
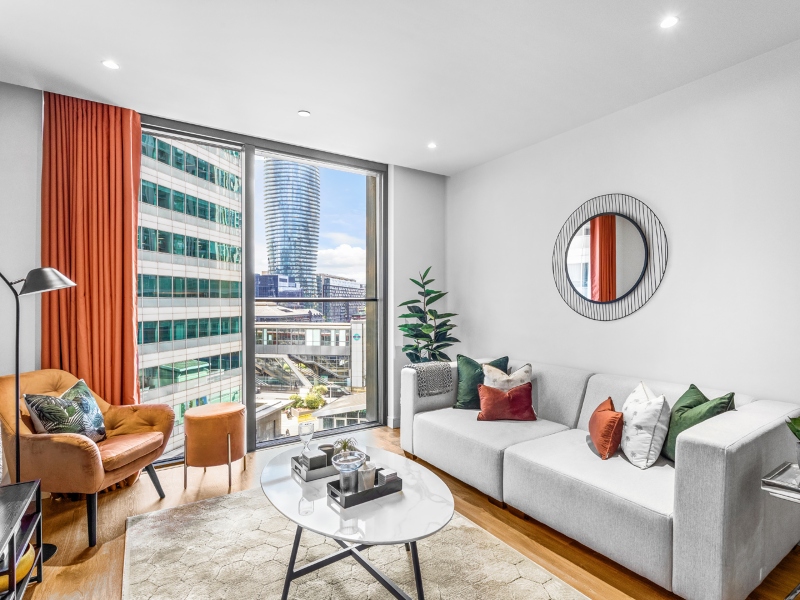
(423, 507)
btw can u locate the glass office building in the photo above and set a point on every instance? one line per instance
(291, 219)
(189, 276)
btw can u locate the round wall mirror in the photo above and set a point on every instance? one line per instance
(606, 258)
(610, 257)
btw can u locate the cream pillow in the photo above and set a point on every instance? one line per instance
(645, 424)
(495, 378)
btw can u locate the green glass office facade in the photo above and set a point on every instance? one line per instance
(189, 282)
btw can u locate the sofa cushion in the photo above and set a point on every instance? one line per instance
(471, 450)
(602, 386)
(470, 374)
(605, 429)
(119, 450)
(645, 421)
(692, 409)
(611, 506)
(557, 391)
(512, 405)
(495, 378)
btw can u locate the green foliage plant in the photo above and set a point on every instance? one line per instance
(794, 426)
(428, 329)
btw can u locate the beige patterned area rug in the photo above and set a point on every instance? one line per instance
(238, 546)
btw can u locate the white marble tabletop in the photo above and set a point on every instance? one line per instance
(420, 509)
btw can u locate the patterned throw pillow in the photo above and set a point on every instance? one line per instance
(494, 377)
(75, 411)
(645, 425)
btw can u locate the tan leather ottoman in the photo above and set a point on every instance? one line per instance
(213, 435)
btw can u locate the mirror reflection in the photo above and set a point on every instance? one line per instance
(606, 258)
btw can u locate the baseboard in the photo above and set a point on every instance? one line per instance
(393, 422)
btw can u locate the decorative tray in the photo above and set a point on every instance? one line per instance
(313, 474)
(379, 491)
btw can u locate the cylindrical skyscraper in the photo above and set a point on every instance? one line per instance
(291, 217)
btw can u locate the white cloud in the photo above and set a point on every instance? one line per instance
(344, 260)
(340, 238)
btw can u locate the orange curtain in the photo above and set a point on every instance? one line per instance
(90, 186)
(603, 260)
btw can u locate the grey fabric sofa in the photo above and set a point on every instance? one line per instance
(701, 527)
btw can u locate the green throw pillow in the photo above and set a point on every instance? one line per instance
(470, 374)
(690, 409)
(75, 411)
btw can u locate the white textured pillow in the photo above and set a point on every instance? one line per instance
(645, 419)
(495, 378)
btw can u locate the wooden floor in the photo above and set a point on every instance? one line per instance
(78, 572)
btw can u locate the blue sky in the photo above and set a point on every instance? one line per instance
(343, 219)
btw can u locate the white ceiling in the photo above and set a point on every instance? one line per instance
(383, 78)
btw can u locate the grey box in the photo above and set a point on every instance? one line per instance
(315, 459)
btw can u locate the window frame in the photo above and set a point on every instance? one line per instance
(377, 259)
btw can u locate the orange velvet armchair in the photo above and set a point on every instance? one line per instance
(71, 463)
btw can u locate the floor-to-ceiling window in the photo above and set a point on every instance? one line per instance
(315, 317)
(260, 281)
(189, 275)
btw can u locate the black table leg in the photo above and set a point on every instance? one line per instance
(408, 547)
(795, 594)
(292, 558)
(417, 572)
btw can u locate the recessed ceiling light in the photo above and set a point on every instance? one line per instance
(110, 64)
(432, 145)
(669, 22)
(304, 113)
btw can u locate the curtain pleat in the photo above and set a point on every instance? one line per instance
(90, 186)
(603, 262)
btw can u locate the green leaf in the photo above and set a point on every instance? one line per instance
(407, 302)
(429, 329)
(417, 283)
(414, 357)
(438, 347)
(452, 339)
(425, 274)
(411, 348)
(794, 426)
(446, 315)
(436, 297)
(432, 292)
(416, 309)
(412, 316)
(428, 281)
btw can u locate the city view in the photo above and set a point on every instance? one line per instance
(310, 245)
(310, 356)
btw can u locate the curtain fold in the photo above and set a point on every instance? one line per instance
(603, 261)
(90, 185)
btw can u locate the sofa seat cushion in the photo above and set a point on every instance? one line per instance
(609, 505)
(119, 450)
(471, 450)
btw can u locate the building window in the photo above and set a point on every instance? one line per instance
(177, 314)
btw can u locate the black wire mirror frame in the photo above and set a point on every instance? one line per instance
(656, 254)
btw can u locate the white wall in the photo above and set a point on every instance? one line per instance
(719, 162)
(416, 206)
(20, 223)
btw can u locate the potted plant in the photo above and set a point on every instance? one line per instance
(430, 329)
(794, 426)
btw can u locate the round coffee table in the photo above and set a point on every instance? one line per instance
(423, 507)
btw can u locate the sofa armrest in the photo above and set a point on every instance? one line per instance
(411, 403)
(65, 462)
(728, 534)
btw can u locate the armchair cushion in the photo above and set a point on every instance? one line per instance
(74, 411)
(120, 450)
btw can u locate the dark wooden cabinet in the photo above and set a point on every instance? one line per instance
(20, 523)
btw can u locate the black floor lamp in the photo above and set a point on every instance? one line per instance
(39, 280)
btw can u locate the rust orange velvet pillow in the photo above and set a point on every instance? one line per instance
(514, 405)
(605, 429)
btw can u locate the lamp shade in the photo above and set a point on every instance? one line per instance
(45, 279)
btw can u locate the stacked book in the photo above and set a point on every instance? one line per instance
(783, 482)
